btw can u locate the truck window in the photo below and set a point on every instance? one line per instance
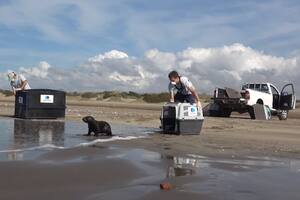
(251, 86)
(257, 87)
(264, 88)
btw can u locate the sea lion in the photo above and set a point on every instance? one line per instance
(97, 127)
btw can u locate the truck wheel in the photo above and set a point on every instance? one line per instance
(283, 115)
(259, 101)
(215, 110)
(220, 113)
(226, 113)
(251, 112)
(214, 113)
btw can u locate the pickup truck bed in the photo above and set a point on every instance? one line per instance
(226, 101)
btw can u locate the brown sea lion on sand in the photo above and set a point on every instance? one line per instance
(97, 127)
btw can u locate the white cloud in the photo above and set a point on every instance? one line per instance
(41, 71)
(208, 68)
(114, 54)
(160, 60)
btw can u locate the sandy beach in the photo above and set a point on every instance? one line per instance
(134, 169)
(237, 135)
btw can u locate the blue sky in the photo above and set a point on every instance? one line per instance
(67, 32)
(131, 44)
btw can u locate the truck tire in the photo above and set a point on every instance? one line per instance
(251, 112)
(213, 110)
(226, 112)
(214, 113)
(221, 113)
(259, 101)
(283, 115)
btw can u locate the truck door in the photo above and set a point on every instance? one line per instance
(287, 97)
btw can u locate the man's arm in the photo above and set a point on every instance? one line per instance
(171, 90)
(23, 81)
(195, 94)
(172, 96)
(192, 89)
(23, 84)
(13, 90)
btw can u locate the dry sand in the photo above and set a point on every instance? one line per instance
(231, 137)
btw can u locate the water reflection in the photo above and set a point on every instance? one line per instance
(35, 137)
(38, 132)
(34, 133)
(182, 166)
(192, 164)
(15, 155)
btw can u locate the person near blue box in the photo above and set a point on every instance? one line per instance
(182, 90)
(18, 82)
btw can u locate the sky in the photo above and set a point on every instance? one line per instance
(132, 44)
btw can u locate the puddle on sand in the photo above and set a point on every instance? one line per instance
(26, 139)
(245, 178)
(216, 178)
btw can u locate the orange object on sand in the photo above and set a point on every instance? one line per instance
(165, 186)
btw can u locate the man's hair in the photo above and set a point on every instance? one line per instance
(173, 74)
(11, 75)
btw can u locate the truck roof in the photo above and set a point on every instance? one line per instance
(257, 83)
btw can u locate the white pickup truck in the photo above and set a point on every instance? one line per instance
(228, 100)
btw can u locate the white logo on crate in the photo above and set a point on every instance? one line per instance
(46, 98)
(20, 100)
(192, 112)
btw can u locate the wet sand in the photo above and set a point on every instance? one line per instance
(61, 176)
(98, 172)
(88, 173)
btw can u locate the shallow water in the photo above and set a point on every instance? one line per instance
(25, 139)
(252, 178)
(246, 178)
(215, 178)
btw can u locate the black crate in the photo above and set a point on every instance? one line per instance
(169, 119)
(40, 104)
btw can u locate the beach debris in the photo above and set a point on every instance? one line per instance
(165, 186)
